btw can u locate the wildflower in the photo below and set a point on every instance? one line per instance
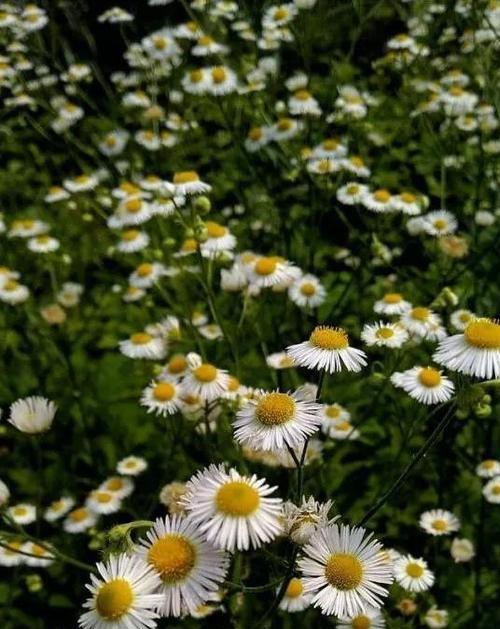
(462, 550)
(439, 522)
(79, 520)
(383, 334)
(491, 491)
(425, 384)
(302, 521)
(58, 508)
(295, 599)
(22, 513)
(131, 466)
(413, 574)
(162, 398)
(33, 414)
(143, 345)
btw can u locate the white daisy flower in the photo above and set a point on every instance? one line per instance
(391, 304)
(370, 618)
(188, 182)
(257, 137)
(276, 420)
(280, 360)
(79, 520)
(462, 550)
(118, 486)
(42, 558)
(132, 211)
(439, 223)
(382, 334)
(491, 491)
(378, 201)
(196, 81)
(323, 166)
(4, 493)
(161, 45)
(114, 142)
(33, 414)
(351, 193)
(303, 103)
(425, 384)
(327, 348)
(407, 203)
(307, 292)
(206, 382)
(331, 148)
(345, 570)
(10, 555)
(144, 345)
(207, 46)
(43, 244)
(333, 414)
(476, 352)
(58, 508)
(221, 81)
(27, 228)
(146, 274)
(162, 398)
(413, 574)
(176, 367)
(81, 183)
(22, 513)
(460, 319)
(488, 468)
(295, 599)
(439, 522)
(436, 618)
(422, 322)
(131, 466)
(13, 293)
(132, 294)
(300, 522)
(56, 193)
(103, 502)
(210, 331)
(219, 238)
(190, 567)
(284, 129)
(233, 511)
(133, 240)
(123, 596)
(278, 15)
(343, 430)
(267, 271)
(356, 166)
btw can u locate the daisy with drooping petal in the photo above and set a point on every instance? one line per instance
(144, 345)
(300, 522)
(22, 513)
(382, 334)
(476, 352)
(462, 550)
(370, 618)
(123, 596)
(413, 574)
(491, 491)
(343, 430)
(133, 240)
(439, 522)
(190, 568)
(79, 520)
(58, 508)
(295, 599)
(146, 274)
(162, 398)
(488, 468)
(219, 238)
(407, 203)
(307, 292)
(327, 348)
(460, 319)
(276, 420)
(391, 304)
(188, 182)
(118, 485)
(422, 322)
(32, 415)
(205, 381)
(425, 384)
(280, 360)
(234, 511)
(267, 271)
(131, 466)
(176, 367)
(345, 570)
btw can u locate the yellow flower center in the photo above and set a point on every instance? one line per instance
(237, 498)
(219, 75)
(420, 314)
(103, 497)
(440, 525)
(392, 298)
(361, 622)
(407, 197)
(10, 285)
(295, 588)
(141, 338)
(114, 484)
(280, 14)
(214, 230)
(330, 145)
(496, 490)
(343, 426)
(429, 377)
(160, 43)
(20, 511)
(385, 333)
(329, 338)
(333, 412)
(177, 364)
(114, 599)
(456, 90)
(78, 515)
(130, 234)
(173, 556)
(186, 176)
(488, 464)
(133, 205)
(189, 245)
(205, 373)
(352, 189)
(255, 134)
(82, 179)
(357, 162)
(286, 361)
(285, 124)
(302, 95)
(57, 505)
(234, 384)
(484, 333)
(265, 266)
(205, 41)
(308, 289)
(414, 570)
(164, 391)
(382, 196)
(344, 571)
(145, 269)
(196, 76)
(129, 188)
(275, 409)
(440, 223)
